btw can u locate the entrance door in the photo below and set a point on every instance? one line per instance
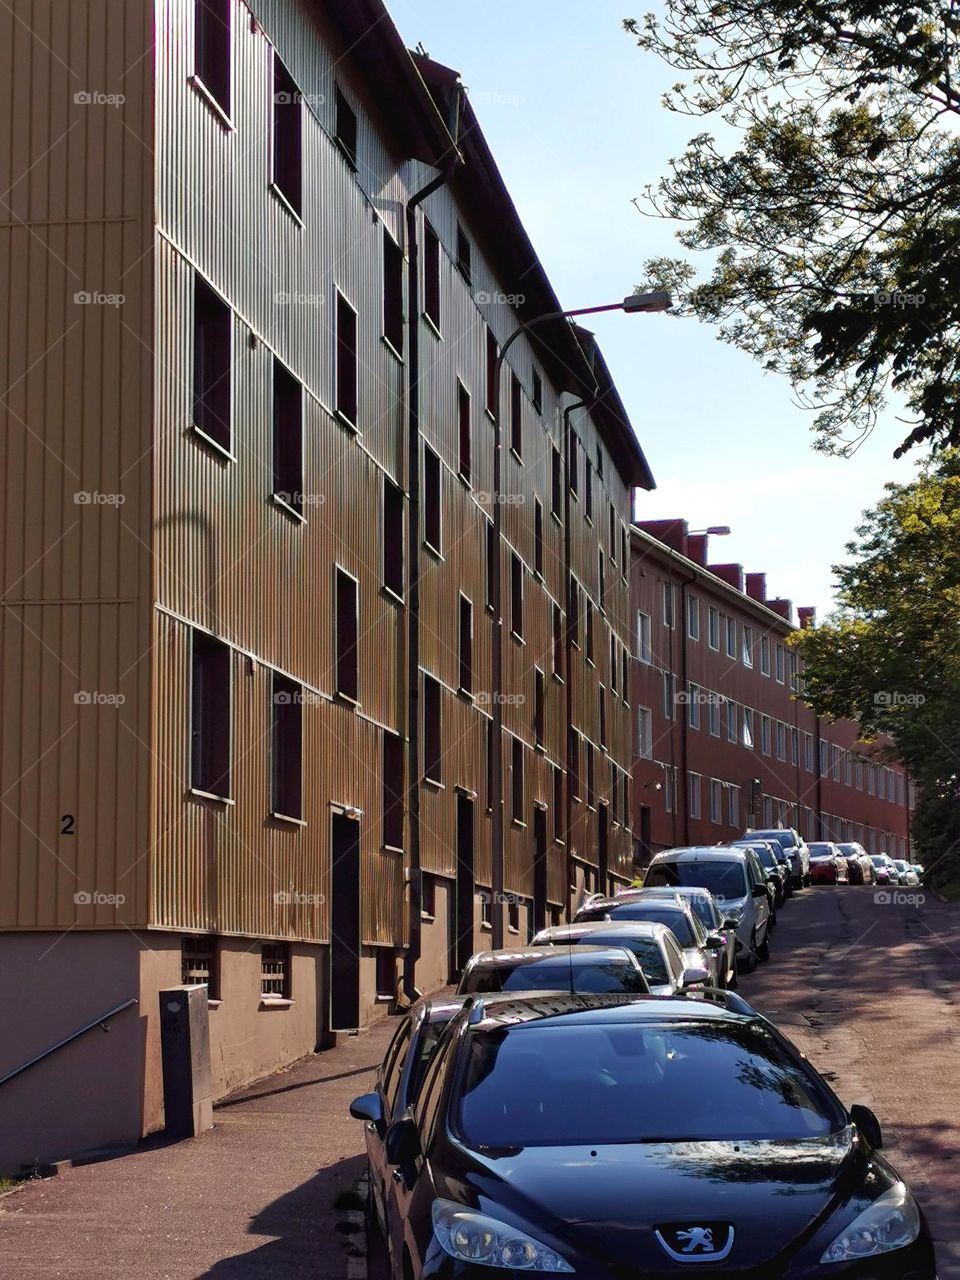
(602, 856)
(344, 923)
(539, 868)
(462, 948)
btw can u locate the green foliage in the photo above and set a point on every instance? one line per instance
(833, 218)
(890, 656)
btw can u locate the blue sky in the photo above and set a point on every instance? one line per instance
(571, 109)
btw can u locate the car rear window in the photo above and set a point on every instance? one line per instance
(690, 1082)
(557, 975)
(676, 920)
(646, 950)
(722, 879)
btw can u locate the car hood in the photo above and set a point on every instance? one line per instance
(605, 1203)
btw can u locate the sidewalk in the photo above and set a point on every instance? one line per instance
(251, 1200)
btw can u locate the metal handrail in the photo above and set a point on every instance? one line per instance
(97, 1022)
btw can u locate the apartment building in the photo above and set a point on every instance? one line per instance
(316, 617)
(722, 742)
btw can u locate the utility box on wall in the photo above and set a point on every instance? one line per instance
(185, 1053)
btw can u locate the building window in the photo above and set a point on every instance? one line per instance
(767, 811)
(538, 537)
(556, 483)
(730, 626)
(573, 470)
(198, 964)
(645, 733)
(693, 617)
(432, 517)
(536, 394)
(824, 761)
(539, 705)
(601, 579)
(557, 803)
(713, 715)
(669, 605)
(393, 513)
(488, 738)
(713, 627)
(466, 645)
(669, 694)
(516, 416)
(764, 655)
(513, 916)
(732, 731)
(287, 438)
(748, 646)
(733, 807)
(716, 801)
(348, 635)
(210, 716)
(624, 674)
(345, 395)
(493, 553)
(781, 741)
(516, 595)
(835, 767)
(393, 783)
(557, 641)
(747, 738)
(588, 630)
(695, 795)
(644, 653)
(287, 800)
(486, 916)
(463, 253)
(613, 662)
(345, 127)
(780, 660)
(795, 747)
(602, 715)
(287, 137)
(587, 488)
(212, 54)
(463, 420)
(392, 292)
(517, 779)
(574, 769)
(212, 355)
(493, 381)
(808, 752)
(574, 615)
(693, 706)
(386, 971)
(670, 789)
(591, 779)
(765, 735)
(275, 970)
(432, 731)
(612, 533)
(623, 552)
(848, 769)
(431, 275)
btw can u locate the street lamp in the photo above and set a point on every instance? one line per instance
(717, 530)
(656, 301)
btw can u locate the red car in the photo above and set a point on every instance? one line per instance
(827, 864)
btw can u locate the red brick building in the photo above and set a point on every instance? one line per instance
(721, 741)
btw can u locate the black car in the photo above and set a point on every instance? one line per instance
(775, 863)
(616, 1136)
(607, 968)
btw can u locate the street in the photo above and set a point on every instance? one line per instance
(865, 988)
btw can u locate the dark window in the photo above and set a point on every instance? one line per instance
(392, 292)
(386, 972)
(275, 969)
(556, 483)
(210, 721)
(287, 747)
(574, 613)
(557, 640)
(198, 965)
(599, 462)
(537, 393)
(466, 645)
(393, 513)
(348, 634)
(602, 581)
(431, 274)
(432, 520)
(485, 896)
(393, 790)
(588, 630)
(287, 437)
(513, 916)
(492, 379)
(538, 537)
(212, 326)
(587, 488)
(625, 673)
(516, 415)
(432, 732)
(574, 768)
(346, 391)
(613, 533)
(591, 788)
(463, 253)
(517, 778)
(287, 136)
(489, 754)
(493, 552)
(613, 662)
(557, 802)
(572, 466)
(428, 897)
(516, 595)
(345, 128)
(603, 717)
(463, 423)
(623, 551)
(213, 48)
(539, 705)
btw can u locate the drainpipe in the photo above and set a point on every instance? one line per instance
(568, 637)
(415, 936)
(685, 714)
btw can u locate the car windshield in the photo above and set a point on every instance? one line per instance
(765, 855)
(691, 1082)
(722, 879)
(674, 918)
(879, 859)
(783, 838)
(647, 951)
(556, 975)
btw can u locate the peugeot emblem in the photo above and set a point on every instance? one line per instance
(696, 1242)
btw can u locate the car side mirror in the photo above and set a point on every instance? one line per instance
(715, 942)
(730, 923)
(403, 1142)
(368, 1107)
(694, 976)
(759, 891)
(868, 1125)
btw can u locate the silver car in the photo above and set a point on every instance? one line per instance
(668, 968)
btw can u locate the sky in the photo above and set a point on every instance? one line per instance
(571, 109)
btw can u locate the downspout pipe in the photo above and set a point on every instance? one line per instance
(415, 927)
(685, 710)
(568, 646)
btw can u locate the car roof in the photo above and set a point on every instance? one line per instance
(683, 891)
(698, 854)
(635, 928)
(546, 955)
(616, 1009)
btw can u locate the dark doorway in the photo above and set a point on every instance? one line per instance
(643, 843)
(602, 857)
(462, 909)
(344, 923)
(539, 868)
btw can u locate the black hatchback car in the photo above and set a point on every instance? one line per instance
(617, 1136)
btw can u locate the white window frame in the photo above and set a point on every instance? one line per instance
(779, 663)
(730, 627)
(716, 800)
(693, 617)
(694, 791)
(713, 628)
(693, 706)
(747, 647)
(669, 695)
(669, 606)
(645, 733)
(746, 733)
(764, 655)
(644, 648)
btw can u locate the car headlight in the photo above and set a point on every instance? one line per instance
(891, 1222)
(470, 1236)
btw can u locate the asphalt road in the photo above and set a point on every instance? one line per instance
(868, 987)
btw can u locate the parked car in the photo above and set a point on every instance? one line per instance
(918, 868)
(667, 967)
(598, 1135)
(775, 864)
(676, 913)
(827, 864)
(883, 869)
(720, 934)
(736, 880)
(794, 846)
(583, 969)
(906, 872)
(859, 866)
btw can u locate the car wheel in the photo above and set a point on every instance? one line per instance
(749, 961)
(763, 951)
(806, 880)
(734, 980)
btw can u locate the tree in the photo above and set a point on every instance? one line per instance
(889, 657)
(834, 216)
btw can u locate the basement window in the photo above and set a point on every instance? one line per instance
(287, 753)
(287, 438)
(347, 636)
(275, 971)
(287, 137)
(345, 127)
(212, 355)
(212, 49)
(210, 716)
(198, 964)
(386, 973)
